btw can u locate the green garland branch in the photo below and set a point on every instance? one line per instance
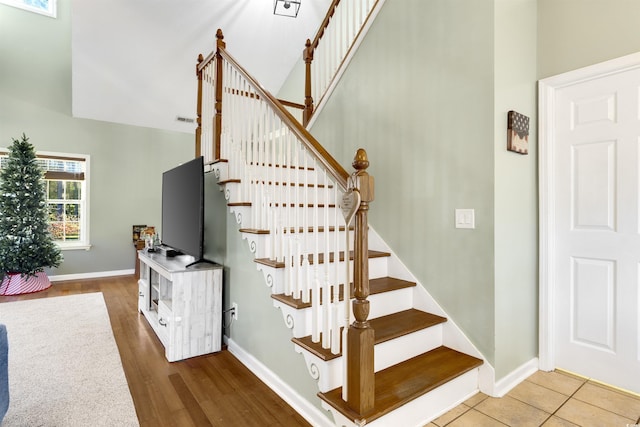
(26, 245)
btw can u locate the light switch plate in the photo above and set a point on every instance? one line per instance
(465, 218)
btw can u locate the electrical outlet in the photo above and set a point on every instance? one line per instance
(234, 311)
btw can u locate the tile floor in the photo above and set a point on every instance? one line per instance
(548, 399)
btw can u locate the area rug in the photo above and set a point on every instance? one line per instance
(64, 365)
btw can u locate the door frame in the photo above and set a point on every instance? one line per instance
(546, 191)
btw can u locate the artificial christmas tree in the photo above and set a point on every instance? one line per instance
(26, 246)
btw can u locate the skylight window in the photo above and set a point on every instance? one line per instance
(44, 7)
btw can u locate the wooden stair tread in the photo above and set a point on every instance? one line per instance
(406, 381)
(277, 264)
(293, 230)
(402, 323)
(376, 286)
(276, 183)
(228, 181)
(285, 205)
(386, 328)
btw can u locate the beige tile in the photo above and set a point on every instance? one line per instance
(609, 399)
(558, 422)
(473, 418)
(584, 414)
(475, 399)
(538, 396)
(451, 415)
(562, 383)
(512, 411)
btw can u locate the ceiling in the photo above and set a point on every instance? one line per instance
(134, 60)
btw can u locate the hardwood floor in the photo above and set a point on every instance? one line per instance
(212, 390)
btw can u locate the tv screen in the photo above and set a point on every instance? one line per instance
(183, 208)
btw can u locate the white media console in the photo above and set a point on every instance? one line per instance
(182, 305)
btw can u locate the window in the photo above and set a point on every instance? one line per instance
(67, 193)
(44, 7)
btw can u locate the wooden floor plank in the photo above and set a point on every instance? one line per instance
(214, 390)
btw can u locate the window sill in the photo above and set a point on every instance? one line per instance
(74, 246)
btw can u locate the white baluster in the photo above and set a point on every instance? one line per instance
(326, 291)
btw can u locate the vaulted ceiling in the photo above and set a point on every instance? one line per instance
(134, 60)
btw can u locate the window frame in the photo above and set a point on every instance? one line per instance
(84, 243)
(48, 9)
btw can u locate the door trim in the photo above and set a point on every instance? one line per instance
(546, 190)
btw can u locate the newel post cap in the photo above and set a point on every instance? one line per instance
(364, 181)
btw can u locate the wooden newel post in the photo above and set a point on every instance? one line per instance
(360, 337)
(308, 99)
(199, 108)
(217, 124)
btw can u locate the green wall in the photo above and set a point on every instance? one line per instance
(126, 161)
(575, 33)
(418, 96)
(427, 94)
(515, 188)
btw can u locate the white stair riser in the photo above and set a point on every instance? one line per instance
(390, 302)
(287, 175)
(242, 215)
(392, 352)
(237, 192)
(265, 248)
(219, 170)
(266, 218)
(299, 320)
(329, 374)
(275, 276)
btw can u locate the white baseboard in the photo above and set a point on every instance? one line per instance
(307, 410)
(94, 275)
(515, 377)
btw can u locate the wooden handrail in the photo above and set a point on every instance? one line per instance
(360, 337)
(307, 56)
(291, 104)
(330, 164)
(324, 24)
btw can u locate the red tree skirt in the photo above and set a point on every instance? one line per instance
(16, 283)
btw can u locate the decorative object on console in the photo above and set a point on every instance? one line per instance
(517, 133)
(26, 245)
(137, 232)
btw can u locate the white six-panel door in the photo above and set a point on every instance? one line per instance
(590, 247)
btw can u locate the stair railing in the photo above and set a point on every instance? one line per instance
(295, 189)
(326, 54)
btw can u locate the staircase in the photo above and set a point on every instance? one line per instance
(385, 354)
(417, 375)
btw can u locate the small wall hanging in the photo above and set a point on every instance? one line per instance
(517, 133)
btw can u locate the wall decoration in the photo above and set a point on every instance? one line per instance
(44, 7)
(517, 133)
(137, 232)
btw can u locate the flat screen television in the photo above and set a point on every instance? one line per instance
(183, 208)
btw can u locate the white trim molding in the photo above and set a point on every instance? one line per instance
(93, 275)
(308, 411)
(546, 133)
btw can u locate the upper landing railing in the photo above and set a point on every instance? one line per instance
(296, 191)
(335, 41)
